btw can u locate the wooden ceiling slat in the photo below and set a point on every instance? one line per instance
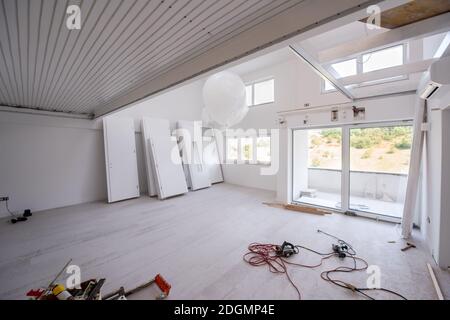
(125, 61)
(121, 45)
(48, 8)
(96, 9)
(127, 70)
(8, 13)
(57, 42)
(118, 27)
(101, 16)
(146, 67)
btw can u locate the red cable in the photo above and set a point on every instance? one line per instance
(266, 254)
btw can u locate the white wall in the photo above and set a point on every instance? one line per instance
(444, 237)
(296, 85)
(437, 172)
(48, 162)
(264, 117)
(183, 103)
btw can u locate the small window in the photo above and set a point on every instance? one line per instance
(247, 149)
(232, 149)
(261, 92)
(327, 86)
(249, 95)
(263, 149)
(345, 68)
(382, 59)
(264, 92)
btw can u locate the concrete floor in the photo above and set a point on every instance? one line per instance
(196, 242)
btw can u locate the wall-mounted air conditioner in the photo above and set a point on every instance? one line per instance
(437, 77)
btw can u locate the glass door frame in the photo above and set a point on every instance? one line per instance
(345, 167)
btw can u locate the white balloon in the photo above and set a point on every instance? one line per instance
(224, 98)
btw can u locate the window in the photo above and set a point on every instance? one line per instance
(264, 92)
(246, 149)
(254, 150)
(324, 148)
(362, 168)
(261, 92)
(249, 95)
(382, 59)
(381, 149)
(232, 149)
(327, 86)
(345, 68)
(379, 165)
(263, 149)
(368, 62)
(316, 167)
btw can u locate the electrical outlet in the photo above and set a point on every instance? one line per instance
(4, 198)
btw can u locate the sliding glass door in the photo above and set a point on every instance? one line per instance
(362, 168)
(379, 163)
(317, 167)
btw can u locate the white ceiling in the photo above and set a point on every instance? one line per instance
(121, 45)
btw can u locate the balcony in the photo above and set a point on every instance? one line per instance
(374, 192)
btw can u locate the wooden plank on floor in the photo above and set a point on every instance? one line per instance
(297, 208)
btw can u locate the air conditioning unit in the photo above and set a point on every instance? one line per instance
(437, 77)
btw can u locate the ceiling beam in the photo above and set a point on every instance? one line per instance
(444, 47)
(306, 16)
(412, 31)
(409, 68)
(33, 111)
(320, 70)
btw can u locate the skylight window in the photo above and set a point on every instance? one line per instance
(345, 68)
(367, 62)
(382, 59)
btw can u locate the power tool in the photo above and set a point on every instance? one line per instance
(286, 250)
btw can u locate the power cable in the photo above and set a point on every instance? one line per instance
(14, 217)
(276, 258)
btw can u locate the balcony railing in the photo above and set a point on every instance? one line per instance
(376, 192)
(374, 185)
